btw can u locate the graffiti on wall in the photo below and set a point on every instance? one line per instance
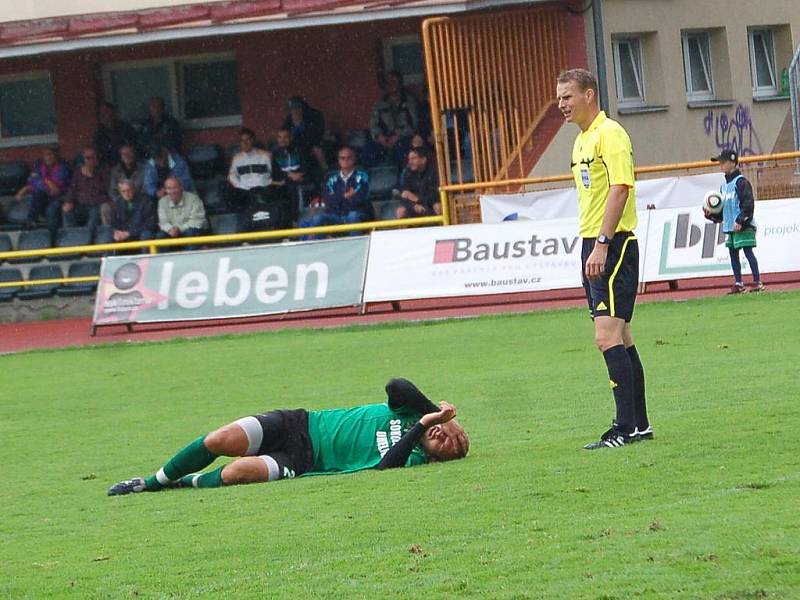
(733, 132)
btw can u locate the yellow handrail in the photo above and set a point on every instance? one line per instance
(153, 245)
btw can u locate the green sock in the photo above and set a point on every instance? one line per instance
(212, 479)
(194, 457)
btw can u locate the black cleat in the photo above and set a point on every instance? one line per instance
(613, 438)
(643, 435)
(129, 486)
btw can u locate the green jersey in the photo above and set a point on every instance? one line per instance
(353, 439)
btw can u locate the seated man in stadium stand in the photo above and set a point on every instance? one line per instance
(163, 164)
(297, 169)
(86, 201)
(307, 126)
(419, 191)
(180, 213)
(47, 183)
(159, 127)
(407, 430)
(130, 168)
(346, 193)
(395, 119)
(111, 134)
(256, 182)
(134, 214)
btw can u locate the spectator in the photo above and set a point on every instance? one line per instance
(346, 193)
(86, 201)
(111, 134)
(307, 126)
(130, 168)
(256, 185)
(296, 168)
(160, 128)
(163, 164)
(419, 194)
(395, 119)
(134, 214)
(47, 183)
(180, 213)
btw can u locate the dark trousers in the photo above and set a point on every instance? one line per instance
(41, 203)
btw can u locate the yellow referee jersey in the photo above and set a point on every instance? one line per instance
(602, 156)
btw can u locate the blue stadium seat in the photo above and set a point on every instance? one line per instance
(7, 293)
(35, 239)
(84, 268)
(388, 210)
(382, 180)
(72, 236)
(212, 193)
(17, 212)
(206, 161)
(224, 223)
(104, 235)
(13, 176)
(46, 290)
(5, 243)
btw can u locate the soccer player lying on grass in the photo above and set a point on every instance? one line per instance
(405, 431)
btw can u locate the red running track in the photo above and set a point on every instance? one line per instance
(17, 337)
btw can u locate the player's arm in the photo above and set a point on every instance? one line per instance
(397, 456)
(746, 202)
(615, 205)
(404, 394)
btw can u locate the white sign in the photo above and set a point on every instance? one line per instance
(682, 243)
(665, 192)
(472, 260)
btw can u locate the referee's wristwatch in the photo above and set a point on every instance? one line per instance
(603, 239)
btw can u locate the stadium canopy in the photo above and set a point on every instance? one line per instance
(204, 19)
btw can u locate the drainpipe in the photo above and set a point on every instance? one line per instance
(600, 53)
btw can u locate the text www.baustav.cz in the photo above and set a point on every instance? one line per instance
(512, 282)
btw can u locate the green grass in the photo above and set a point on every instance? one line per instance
(707, 510)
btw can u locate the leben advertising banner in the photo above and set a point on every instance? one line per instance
(231, 282)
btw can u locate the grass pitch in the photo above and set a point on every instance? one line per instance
(707, 510)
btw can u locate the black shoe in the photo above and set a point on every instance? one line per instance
(613, 438)
(129, 486)
(643, 435)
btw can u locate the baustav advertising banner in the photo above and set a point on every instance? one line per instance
(473, 260)
(231, 282)
(682, 243)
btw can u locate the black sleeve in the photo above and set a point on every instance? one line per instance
(399, 453)
(404, 394)
(746, 203)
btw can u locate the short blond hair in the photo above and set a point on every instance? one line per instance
(585, 79)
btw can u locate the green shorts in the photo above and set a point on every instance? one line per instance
(741, 239)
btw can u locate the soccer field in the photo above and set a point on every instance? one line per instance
(709, 509)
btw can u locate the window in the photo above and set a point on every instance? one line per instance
(628, 69)
(200, 91)
(762, 62)
(697, 66)
(404, 54)
(27, 110)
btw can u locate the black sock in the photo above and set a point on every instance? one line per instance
(620, 374)
(639, 402)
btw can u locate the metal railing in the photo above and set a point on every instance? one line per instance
(772, 176)
(152, 246)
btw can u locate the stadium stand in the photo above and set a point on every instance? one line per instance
(72, 236)
(9, 274)
(85, 268)
(224, 223)
(104, 235)
(17, 212)
(5, 243)
(39, 272)
(35, 239)
(13, 176)
(206, 161)
(382, 180)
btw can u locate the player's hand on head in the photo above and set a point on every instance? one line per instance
(446, 413)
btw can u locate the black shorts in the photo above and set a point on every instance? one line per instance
(287, 441)
(614, 294)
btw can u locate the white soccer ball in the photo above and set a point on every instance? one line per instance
(712, 203)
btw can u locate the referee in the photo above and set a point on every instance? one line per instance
(602, 165)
